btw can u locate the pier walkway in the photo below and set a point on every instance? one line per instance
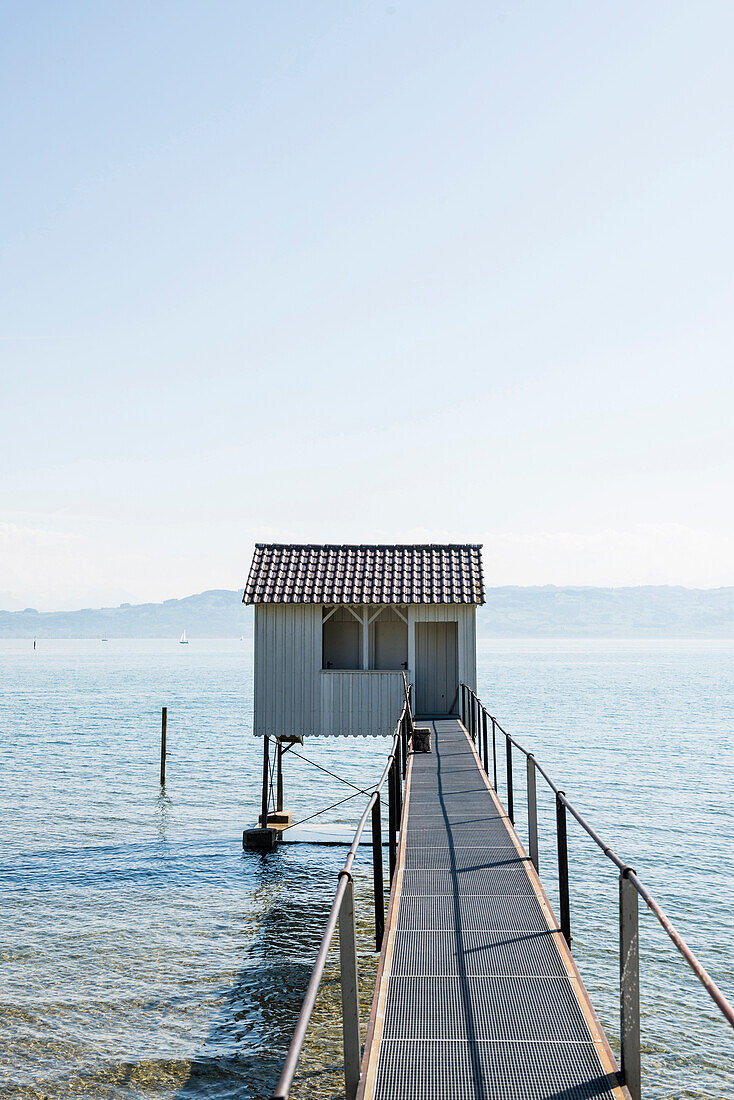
(478, 995)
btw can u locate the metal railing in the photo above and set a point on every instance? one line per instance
(476, 719)
(342, 914)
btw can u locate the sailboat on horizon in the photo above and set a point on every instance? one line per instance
(183, 640)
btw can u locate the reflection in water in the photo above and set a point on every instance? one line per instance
(163, 811)
(244, 1052)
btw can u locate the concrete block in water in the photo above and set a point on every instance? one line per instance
(261, 840)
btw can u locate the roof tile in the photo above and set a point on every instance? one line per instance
(285, 573)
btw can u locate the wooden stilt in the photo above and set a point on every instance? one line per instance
(264, 838)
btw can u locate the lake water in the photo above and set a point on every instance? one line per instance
(145, 955)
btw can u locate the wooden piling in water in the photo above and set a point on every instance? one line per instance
(164, 727)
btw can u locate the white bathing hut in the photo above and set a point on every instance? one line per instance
(337, 626)
(338, 629)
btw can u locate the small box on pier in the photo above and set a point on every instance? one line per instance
(421, 738)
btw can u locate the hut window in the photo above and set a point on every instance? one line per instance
(391, 644)
(341, 642)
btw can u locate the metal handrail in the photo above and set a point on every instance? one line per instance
(471, 710)
(342, 912)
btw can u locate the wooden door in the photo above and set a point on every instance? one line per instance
(436, 667)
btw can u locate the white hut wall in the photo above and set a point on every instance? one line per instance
(287, 669)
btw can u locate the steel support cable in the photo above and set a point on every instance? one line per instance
(333, 806)
(628, 872)
(341, 778)
(349, 797)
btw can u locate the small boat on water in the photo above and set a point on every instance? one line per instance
(183, 640)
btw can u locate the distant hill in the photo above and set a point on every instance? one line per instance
(215, 614)
(548, 611)
(652, 611)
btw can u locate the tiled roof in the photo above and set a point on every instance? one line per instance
(365, 574)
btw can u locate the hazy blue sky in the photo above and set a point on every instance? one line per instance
(364, 272)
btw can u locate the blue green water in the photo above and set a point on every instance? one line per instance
(144, 954)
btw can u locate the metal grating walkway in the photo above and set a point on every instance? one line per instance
(478, 996)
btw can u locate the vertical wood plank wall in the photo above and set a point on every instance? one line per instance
(360, 704)
(287, 669)
(288, 679)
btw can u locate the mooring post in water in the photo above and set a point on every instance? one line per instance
(350, 991)
(164, 727)
(629, 985)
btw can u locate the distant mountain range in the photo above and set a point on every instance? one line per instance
(547, 611)
(214, 614)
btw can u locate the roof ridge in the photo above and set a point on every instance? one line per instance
(369, 545)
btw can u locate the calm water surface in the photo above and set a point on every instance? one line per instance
(145, 955)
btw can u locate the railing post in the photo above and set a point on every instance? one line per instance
(474, 717)
(406, 742)
(377, 878)
(532, 813)
(350, 998)
(563, 869)
(484, 740)
(494, 753)
(398, 784)
(510, 797)
(629, 986)
(391, 819)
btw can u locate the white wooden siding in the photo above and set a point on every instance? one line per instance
(294, 697)
(287, 667)
(360, 704)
